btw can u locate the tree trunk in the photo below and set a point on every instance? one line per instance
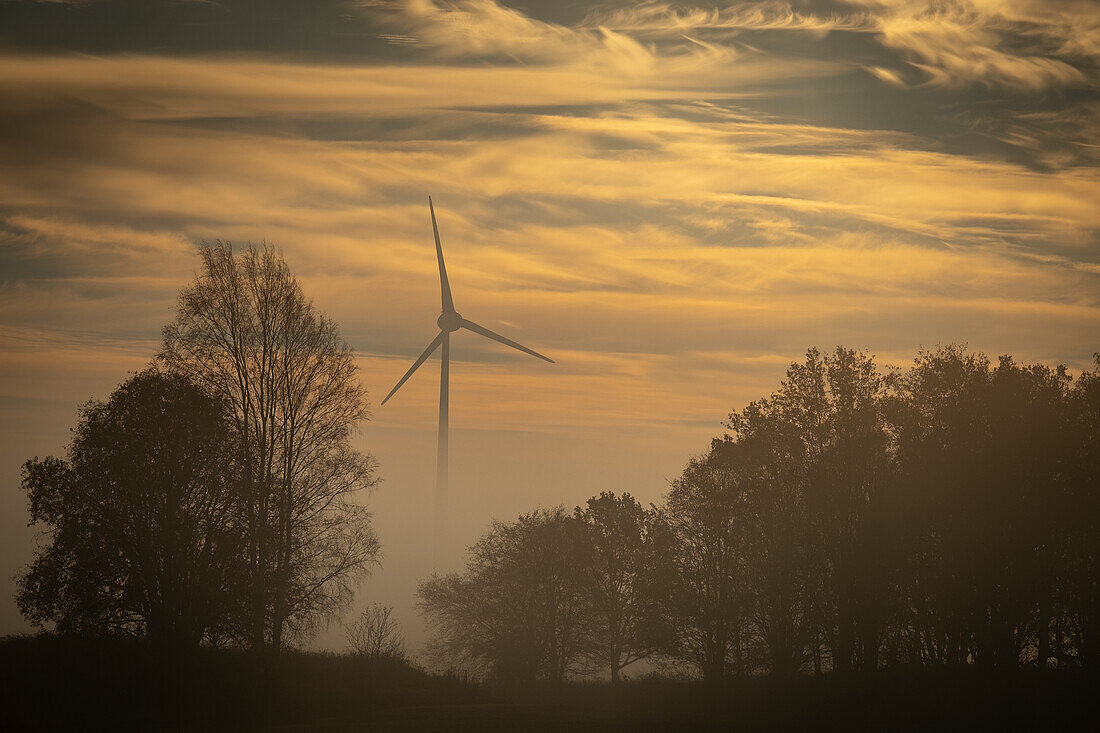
(257, 612)
(277, 624)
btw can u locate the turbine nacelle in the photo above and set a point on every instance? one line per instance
(449, 322)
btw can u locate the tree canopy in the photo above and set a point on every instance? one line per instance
(140, 516)
(215, 494)
(855, 518)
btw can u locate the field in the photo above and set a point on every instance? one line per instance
(95, 684)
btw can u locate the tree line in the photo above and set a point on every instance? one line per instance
(211, 498)
(856, 518)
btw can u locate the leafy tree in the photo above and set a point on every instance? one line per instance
(777, 540)
(139, 516)
(1031, 463)
(1078, 595)
(518, 611)
(245, 330)
(616, 560)
(946, 515)
(939, 422)
(985, 460)
(700, 568)
(835, 404)
(375, 634)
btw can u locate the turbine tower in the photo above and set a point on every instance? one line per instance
(449, 321)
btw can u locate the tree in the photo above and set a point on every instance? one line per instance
(768, 452)
(699, 568)
(940, 421)
(616, 558)
(245, 330)
(518, 611)
(140, 518)
(986, 458)
(1079, 592)
(947, 515)
(375, 634)
(834, 404)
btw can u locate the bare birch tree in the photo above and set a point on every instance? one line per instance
(245, 329)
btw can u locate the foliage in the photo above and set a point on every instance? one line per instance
(703, 596)
(617, 554)
(518, 611)
(945, 516)
(139, 516)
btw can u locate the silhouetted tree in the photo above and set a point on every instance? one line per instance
(700, 568)
(835, 405)
(946, 515)
(139, 516)
(1031, 424)
(777, 545)
(985, 458)
(519, 610)
(939, 427)
(615, 566)
(1078, 595)
(245, 330)
(375, 634)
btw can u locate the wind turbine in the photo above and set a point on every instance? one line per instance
(449, 321)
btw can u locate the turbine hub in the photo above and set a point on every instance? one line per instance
(449, 322)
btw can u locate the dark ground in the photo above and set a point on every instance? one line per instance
(51, 683)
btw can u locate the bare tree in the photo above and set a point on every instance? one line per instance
(375, 634)
(245, 329)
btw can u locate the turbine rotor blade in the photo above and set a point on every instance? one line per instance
(471, 326)
(444, 284)
(416, 364)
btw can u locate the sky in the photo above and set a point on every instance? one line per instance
(672, 200)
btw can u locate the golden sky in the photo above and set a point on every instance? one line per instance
(673, 201)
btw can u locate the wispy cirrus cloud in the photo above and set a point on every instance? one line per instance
(1026, 45)
(763, 15)
(487, 28)
(1017, 45)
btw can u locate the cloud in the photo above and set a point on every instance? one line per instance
(664, 18)
(636, 223)
(607, 41)
(1058, 138)
(163, 88)
(1026, 45)
(484, 28)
